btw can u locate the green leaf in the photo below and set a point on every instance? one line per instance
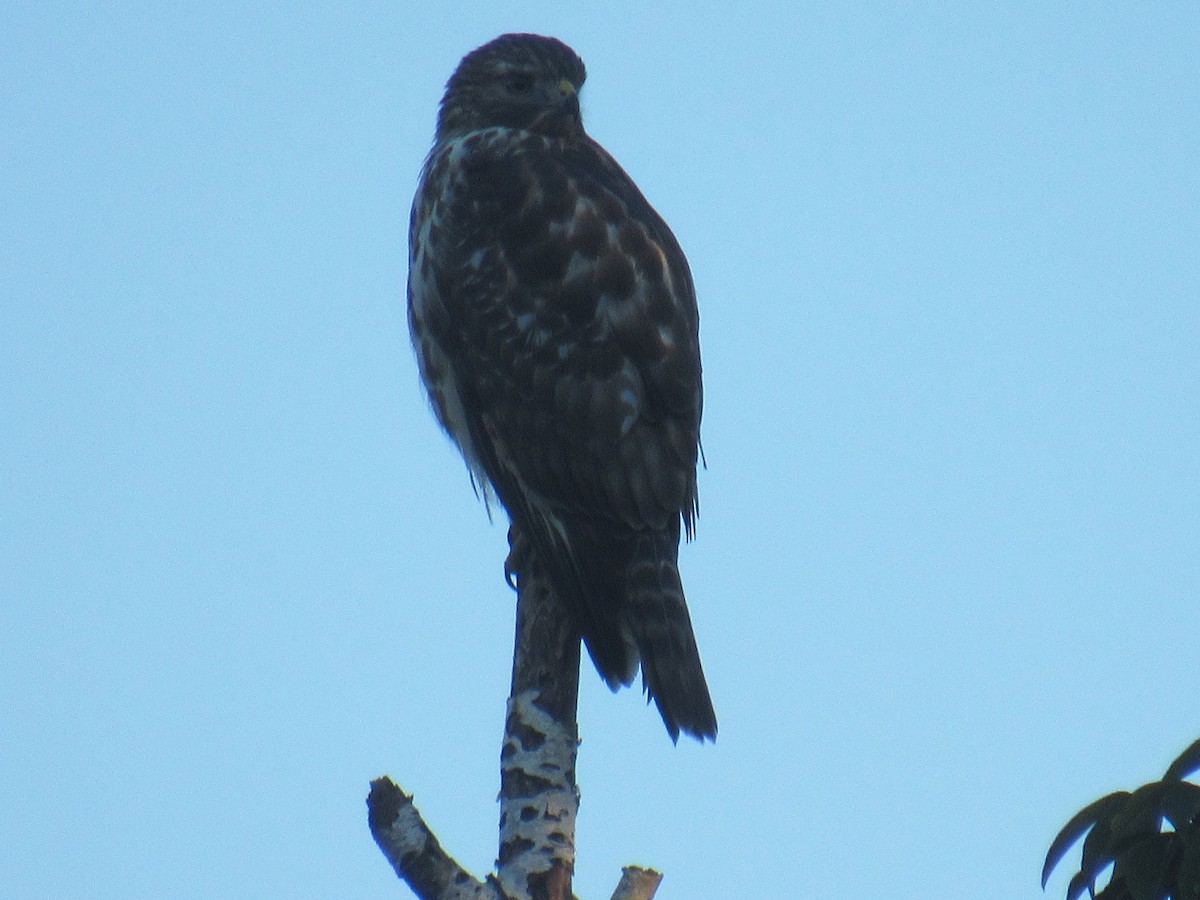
(1187, 876)
(1145, 865)
(1071, 832)
(1181, 803)
(1114, 890)
(1098, 853)
(1079, 884)
(1185, 764)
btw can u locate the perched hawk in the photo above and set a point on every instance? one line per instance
(555, 325)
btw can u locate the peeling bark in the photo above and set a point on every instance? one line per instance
(538, 795)
(539, 799)
(414, 852)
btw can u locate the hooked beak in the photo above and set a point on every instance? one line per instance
(564, 119)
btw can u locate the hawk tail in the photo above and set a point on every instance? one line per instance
(658, 622)
(624, 591)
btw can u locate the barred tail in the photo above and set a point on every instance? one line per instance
(624, 591)
(659, 624)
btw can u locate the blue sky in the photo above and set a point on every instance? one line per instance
(946, 578)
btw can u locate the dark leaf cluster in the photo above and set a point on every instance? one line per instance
(1149, 837)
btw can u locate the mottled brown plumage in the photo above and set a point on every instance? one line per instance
(555, 324)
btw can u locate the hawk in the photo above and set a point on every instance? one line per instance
(555, 325)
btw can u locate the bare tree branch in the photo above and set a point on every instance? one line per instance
(637, 884)
(539, 799)
(538, 795)
(414, 852)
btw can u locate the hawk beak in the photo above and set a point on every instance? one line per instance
(568, 103)
(560, 117)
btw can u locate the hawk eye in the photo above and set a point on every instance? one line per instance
(519, 82)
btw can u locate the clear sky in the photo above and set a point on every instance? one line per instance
(947, 574)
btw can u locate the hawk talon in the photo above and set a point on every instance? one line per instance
(518, 557)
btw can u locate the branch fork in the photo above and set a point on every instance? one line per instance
(539, 799)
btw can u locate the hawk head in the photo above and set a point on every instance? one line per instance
(516, 81)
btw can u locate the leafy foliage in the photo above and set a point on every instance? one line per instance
(1150, 838)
